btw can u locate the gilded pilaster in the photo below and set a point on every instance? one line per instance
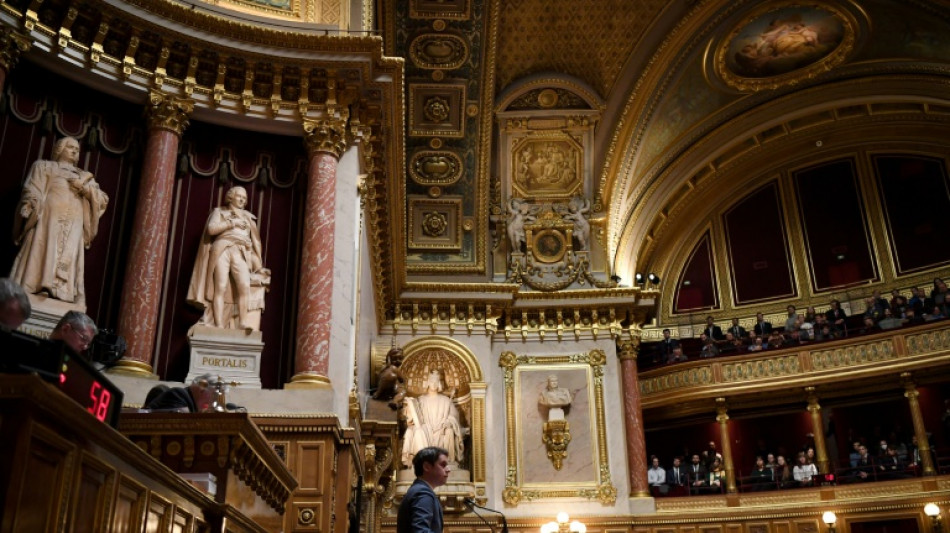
(722, 417)
(168, 112)
(920, 431)
(818, 429)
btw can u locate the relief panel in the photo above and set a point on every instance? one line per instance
(436, 110)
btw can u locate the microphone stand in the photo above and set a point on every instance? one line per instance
(504, 521)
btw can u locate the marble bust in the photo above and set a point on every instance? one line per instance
(432, 420)
(556, 399)
(229, 279)
(57, 219)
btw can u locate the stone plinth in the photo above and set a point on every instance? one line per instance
(46, 314)
(232, 354)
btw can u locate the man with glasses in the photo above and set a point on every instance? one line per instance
(76, 330)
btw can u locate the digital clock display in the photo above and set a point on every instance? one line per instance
(87, 386)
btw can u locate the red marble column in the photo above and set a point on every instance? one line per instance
(12, 44)
(144, 273)
(326, 141)
(636, 442)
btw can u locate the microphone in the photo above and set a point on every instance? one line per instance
(504, 521)
(471, 505)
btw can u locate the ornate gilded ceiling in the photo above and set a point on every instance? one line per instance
(590, 40)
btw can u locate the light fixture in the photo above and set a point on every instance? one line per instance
(638, 278)
(830, 518)
(654, 279)
(933, 511)
(563, 524)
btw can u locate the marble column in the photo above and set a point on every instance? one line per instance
(12, 44)
(920, 431)
(167, 118)
(326, 141)
(633, 423)
(818, 429)
(722, 417)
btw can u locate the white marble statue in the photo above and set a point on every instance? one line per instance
(229, 278)
(578, 207)
(57, 219)
(432, 420)
(519, 214)
(555, 399)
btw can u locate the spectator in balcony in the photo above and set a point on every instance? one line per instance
(656, 476)
(783, 474)
(836, 317)
(770, 462)
(810, 315)
(715, 475)
(676, 475)
(870, 326)
(732, 345)
(864, 466)
(872, 311)
(697, 473)
(762, 328)
(792, 318)
(757, 345)
(806, 329)
(939, 292)
(737, 331)
(803, 472)
(899, 306)
(810, 450)
(709, 348)
(824, 333)
(664, 350)
(713, 331)
(911, 318)
(711, 454)
(776, 340)
(935, 314)
(792, 339)
(678, 356)
(879, 300)
(913, 454)
(891, 466)
(761, 475)
(882, 449)
(855, 454)
(918, 300)
(946, 304)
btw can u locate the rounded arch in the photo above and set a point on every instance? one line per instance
(452, 346)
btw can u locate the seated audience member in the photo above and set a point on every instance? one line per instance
(911, 318)
(803, 472)
(756, 345)
(677, 356)
(770, 461)
(913, 454)
(715, 475)
(899, 306)
(806, 330)
(783, 473)
(935, 314)
(711, 454)
(879, 301)
(76, 331)
(776, 340)
(709, 348)
(664, 349)
(656, 476)
(882, 449)
(731, 345)
(870, 326)
(697, 473)
(793, 338)
(824, 334)
(761, 476)
(197, 397)
(761, 328)
(939, 292)
(891, 466)
(713, 331)
(14, 304)
(946, 305)
(676, 475)
(872, 311)
(792, 318)
(810, 315)
(855, 454)
(864, 466)
(836, 316)
(737, 331)
(918, 301)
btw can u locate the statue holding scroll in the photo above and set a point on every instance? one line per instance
(229, 278)
(56, 221)
(432, 420)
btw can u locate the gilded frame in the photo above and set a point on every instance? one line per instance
(516, 488)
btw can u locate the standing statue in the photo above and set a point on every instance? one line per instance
(432, 420)
(578, 207)
(57, 219)
(229, 278)
(519, 214)
(555, 398)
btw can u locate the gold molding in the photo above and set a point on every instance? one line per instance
(12, 45)
(602, 489)
(131, 367)
(309, 380)
(327, 134)
(167, 112)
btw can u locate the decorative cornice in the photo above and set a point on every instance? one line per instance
(326, 135)
(167, 112)
(12, 44)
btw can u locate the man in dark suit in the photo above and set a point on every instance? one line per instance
(737, 331)
(713, 331)
(665, 348)
(697, 475)
(762, 328)
(676, 476)
(836, 316)
(420, 511)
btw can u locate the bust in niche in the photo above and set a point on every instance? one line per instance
(555, 399)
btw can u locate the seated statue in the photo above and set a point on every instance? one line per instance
(555, 398)
(432, 420)
(229, 278)
(57, 219)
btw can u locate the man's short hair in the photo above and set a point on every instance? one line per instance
(427, 455)
(77, 321)
(666, 330)
(11, 291)
(203, 379)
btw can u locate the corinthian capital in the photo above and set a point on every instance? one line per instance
(167, 112)
(326, 134)
(12, 44)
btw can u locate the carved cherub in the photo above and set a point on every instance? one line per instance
(519, 214)
(392, 384)
(575, 212)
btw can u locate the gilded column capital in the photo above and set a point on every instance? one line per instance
(722, 410)
(12, 44)
(327, 135)
(812, 397)
(167, 112)
(629, 350)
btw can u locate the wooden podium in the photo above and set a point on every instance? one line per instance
(250, 475)
(61, 469)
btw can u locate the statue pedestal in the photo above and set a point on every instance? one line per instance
(46, 314)
(452, 495)
(230, 353)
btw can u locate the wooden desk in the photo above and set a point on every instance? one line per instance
(250, 475)
(63, 470)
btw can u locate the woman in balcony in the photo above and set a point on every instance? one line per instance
(804, 471)
(783, 474)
